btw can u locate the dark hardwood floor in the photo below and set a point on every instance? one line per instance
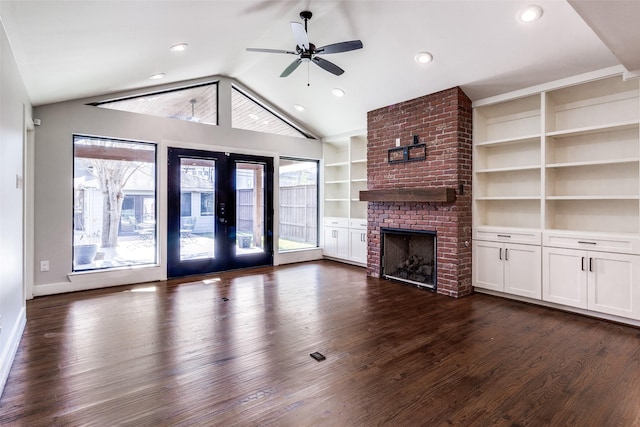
(233, 350)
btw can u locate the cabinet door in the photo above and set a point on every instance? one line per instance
(342, 243)
(336, 242)
(613, 284)
(330, 241)
(522, 270)
(564, 279)
(488, 268)
(358, 245)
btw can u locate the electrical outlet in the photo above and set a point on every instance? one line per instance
(44, 265)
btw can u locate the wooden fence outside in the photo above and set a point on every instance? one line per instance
(298, 213)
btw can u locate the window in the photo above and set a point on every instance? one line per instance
(247, 113)
(206, 204)
(114, 203)
(197, 103)
(185, 204)
(298, 204)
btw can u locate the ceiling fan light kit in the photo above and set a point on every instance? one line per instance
(308, 52)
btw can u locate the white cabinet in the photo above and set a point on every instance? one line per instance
(336, 238)
(562, 160)
(358, 241)
(600, 281)
(507, 267)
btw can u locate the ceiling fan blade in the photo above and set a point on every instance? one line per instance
(300, 35)
(328, 66)
(340, 47)
(256, 49)
(291, 68)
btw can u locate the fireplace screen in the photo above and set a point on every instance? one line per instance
(409, 256)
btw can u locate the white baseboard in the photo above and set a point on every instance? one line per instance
(9, 352)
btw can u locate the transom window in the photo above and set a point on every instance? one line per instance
(249, 114)
(197, 103)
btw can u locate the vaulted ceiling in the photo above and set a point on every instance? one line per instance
(75, 49)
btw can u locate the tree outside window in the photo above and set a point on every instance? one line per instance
(105, 172)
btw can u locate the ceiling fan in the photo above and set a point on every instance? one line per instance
(308, 52)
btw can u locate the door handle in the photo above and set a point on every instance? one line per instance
(506, 254)
(582, 264)
(590, 264)
(500, 254)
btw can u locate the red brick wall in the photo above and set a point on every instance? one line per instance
(443, 121)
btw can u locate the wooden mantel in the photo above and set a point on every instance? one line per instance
(440, 194)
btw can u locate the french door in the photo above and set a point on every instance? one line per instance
(220, 211)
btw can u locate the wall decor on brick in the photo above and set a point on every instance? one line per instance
(444, 122)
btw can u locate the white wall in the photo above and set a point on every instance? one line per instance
(53, 178)
(15, 110)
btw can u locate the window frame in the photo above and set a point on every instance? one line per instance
(151, 233)
(317, 242)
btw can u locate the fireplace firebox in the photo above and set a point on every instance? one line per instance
(409, 256)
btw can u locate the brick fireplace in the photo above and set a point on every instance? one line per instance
(443, 121)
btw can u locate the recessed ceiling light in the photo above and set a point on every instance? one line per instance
(298, 107)
(253, 116)
(530, 13)
(423, 57)
(180, 47)
(156, 76)
(337, 92)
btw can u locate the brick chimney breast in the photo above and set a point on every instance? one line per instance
(443, 121)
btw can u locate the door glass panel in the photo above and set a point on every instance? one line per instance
(250, 209)
(197, 198)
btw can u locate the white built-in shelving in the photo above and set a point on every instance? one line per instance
(563, 161)
(345, 175)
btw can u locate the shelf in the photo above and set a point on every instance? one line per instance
(336, 165)
(509, 169)
(441, 194)
(345, 175)
(588, 130)
(507, 141)
(592, 163)
(512, 198)
(608, 197)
